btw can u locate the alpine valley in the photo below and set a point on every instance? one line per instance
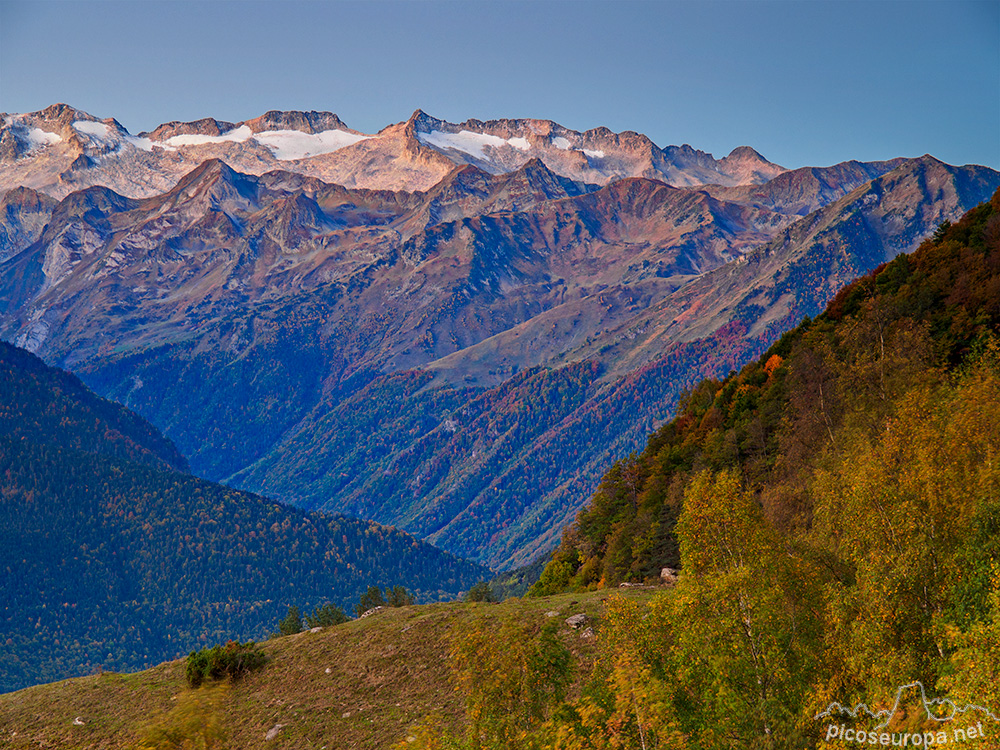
(452, 329)
(115, 557)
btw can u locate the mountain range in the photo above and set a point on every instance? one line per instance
(454, 329)
(60, 149)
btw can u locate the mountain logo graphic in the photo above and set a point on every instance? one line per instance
(936, 709)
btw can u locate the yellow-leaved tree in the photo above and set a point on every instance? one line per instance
(628, 703)
(906, 510)
(748, 636)
(511, 673)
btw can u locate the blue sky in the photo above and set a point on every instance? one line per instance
(804, 82)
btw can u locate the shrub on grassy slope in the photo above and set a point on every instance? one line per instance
(219, 662)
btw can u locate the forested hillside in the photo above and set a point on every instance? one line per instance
(115, 558)
(43, 405)
(834, 508)
(835, 379)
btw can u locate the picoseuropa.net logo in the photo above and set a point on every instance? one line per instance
(930, 721)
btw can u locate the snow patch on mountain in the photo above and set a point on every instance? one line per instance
(563, 144)
(35, 138)
(285, 145)
(104, 136)
(96, 130)
(237, 135)
(145, 144)
(288, 145)
(470, 143)
(38, 138)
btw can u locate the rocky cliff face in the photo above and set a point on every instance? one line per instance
(23, 215)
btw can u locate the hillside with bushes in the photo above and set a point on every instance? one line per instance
(365, 684)
(833, 507)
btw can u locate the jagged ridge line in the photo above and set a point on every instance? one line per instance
(888, 714)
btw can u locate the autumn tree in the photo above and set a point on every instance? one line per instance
(747, 633)
(511, 675)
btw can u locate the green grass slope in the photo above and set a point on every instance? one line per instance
(359, 685)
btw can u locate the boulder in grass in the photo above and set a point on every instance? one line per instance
(273, 732)
(576, 621)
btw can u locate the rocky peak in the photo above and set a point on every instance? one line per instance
(542, 180)
(747, 165)
(305, 122)
(421, 122)
(294, 214)
(62, 115)
(204, 126)
(92, 205)
(745, 153)
(535, 168)
(413, 149)
(22, 134)
(686, 155)
(217, 182)
(600, 132)
(535, 132)
(632, 188)
(208, 170)
(26, 199)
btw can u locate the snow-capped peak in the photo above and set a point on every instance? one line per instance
(105, 138)
(32, 137)
(286, 145)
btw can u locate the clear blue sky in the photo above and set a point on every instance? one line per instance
(804, 82)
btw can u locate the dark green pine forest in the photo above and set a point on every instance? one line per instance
(834, 509)
(115, 558)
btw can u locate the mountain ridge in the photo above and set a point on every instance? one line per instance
(59, 149)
